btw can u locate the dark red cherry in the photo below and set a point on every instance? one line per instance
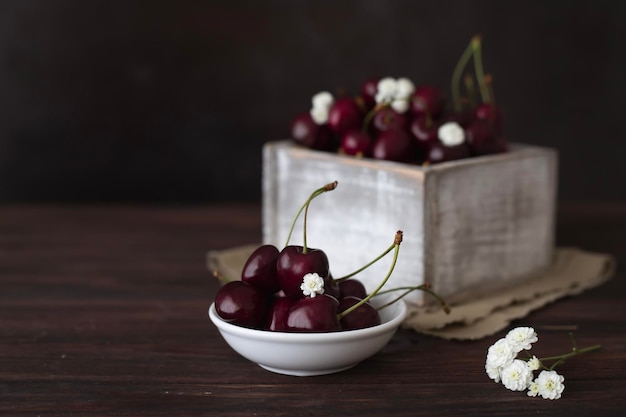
(275, 318)
(368, 92)
(387, 119)
(439, 152)
(305, 132)
(293, 264)
(331, 287)
(356, 143)
(481, 138)
(427, 100)
(425, 132)
(352, 288)
(363, 316)
(314, 314)
(344, 115)
(240, 303)
(260, 269)
(395, 145)
(491, 114)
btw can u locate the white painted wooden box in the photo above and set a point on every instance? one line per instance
(470, 226)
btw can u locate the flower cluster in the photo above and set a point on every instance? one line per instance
(395, 92)
(502, 365)
(321, 104)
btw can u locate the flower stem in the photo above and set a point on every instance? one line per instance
(561, 358)
(396, 246)
(328, 187)
(424, 287)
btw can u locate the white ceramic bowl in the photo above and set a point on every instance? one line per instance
(305, 354)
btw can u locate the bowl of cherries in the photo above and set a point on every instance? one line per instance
(289, 315)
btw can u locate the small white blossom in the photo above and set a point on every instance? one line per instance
(534, 363)
(405, 88)
(533, 389)
(517, 376)
(323, 99)
(550, 385)
(386, 90)
(521, 338)
(400, 105)
(494, 372)
(451, 134)
(312, 285)
(319, 115)
(322, 102)
(500, 354)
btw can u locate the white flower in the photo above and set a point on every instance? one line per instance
(323, 99)
(550, 385)
(521, 338)
(404, 88)
(533, 389)
(319, 115)
(500, 354)
(400, 105)
(322, 102)
(517, 376)
(534, 363)
(451, 134)
(493, 372)
(312, 284)
(386, 90)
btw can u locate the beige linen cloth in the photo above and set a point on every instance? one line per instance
(572, 272)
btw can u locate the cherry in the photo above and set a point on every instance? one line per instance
(344, 115)
(260, 269)
(490, 113)
(363, 316)
(425, 133)
(463, 118)
(305, 132)
(394, 145)
(356, 143)
(240, 303)
(352, 288)
(439, 152)
(482, 138)
(427, 100)
(386, 119)
(294, 262)
(277, 314)
(368, 92)
(331, 287)
(314, 314)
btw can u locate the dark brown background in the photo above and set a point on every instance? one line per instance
(171, 101)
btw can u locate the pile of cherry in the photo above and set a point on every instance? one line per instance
(367, 125)
(292, 290)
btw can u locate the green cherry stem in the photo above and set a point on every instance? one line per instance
(396, 246)
(364, 267)
(328, 187)
(478, 68)
(455, 86)
(370, 115)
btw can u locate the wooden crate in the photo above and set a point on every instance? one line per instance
(470, 226)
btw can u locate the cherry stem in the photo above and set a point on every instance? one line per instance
(396, 246)
(478, 68)
(455, 86)
(328, 187)
(221, 278)
(364, 267)
(489, 86)
(370, 115)
(407, 290)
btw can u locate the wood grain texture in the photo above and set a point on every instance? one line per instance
(103, 313)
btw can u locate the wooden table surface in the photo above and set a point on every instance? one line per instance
(103, 312)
